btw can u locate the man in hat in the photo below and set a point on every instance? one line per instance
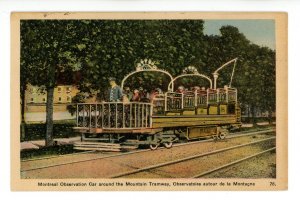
(115, 92)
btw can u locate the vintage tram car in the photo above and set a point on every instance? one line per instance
(170, 116)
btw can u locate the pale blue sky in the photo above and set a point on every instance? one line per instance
(261, 32)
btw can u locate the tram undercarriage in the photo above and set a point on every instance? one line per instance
(153, 137)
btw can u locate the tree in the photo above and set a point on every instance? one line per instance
(255, 74)
(47, 48)
(112, 48)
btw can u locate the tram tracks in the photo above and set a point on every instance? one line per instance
(201, 155)
(33, 165)
(233, 163)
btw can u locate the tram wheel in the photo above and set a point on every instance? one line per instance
(215, 138)
(154, 146)
(222, 136)
(168, 145)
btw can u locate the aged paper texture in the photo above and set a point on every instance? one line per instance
(149, 101)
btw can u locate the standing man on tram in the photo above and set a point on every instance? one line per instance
(115, 92)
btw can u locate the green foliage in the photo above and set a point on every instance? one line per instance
(47, 151)
(104, 48)
(37, 131)
(114, 47)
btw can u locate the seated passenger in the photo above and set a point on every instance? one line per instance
(154, 93)
(141, 93)
(180, 89)
(127, 92)
(196, 89)
(159, 91)
(136, 96)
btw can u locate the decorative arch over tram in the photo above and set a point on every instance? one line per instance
(147, 65)
(189, 71)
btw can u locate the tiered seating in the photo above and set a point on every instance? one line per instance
(199, 102)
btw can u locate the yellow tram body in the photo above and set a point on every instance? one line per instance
(210, 112)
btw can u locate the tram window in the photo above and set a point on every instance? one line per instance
(231, 108)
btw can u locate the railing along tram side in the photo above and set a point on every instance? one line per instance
(114, 115)
(137, 115)
(175, 101)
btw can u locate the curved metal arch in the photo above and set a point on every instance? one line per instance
(184, 75)
(147, 70)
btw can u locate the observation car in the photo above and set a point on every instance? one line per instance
(170, 116)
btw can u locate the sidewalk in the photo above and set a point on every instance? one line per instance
(259, 123)
(36, 144)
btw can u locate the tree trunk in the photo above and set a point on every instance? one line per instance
(248, 112)
(23, 132)
(49, 117)
(253, 115)
(270, 116)
(22, 104)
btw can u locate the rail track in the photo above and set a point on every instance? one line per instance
(152, 167)
(99, 157)
(233, 163)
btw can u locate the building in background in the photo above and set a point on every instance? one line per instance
(36, 99)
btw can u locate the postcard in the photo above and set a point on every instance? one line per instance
(149, 101)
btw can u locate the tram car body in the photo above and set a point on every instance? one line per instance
(169, 117)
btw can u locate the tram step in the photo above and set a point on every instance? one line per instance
(131, 143)
(97, 144)
(129, 147)
(95, 139)
(97, 149)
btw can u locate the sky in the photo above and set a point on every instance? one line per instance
(261, 32)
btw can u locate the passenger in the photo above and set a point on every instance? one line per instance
(153, 94)
(115, 95)
(196, 89)
(115, 92)
(180, 90)
(128, 93)
(141, 93)
(147, 94)
(125, 99)
(159, 90)
(136, 96)
(145, 97)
